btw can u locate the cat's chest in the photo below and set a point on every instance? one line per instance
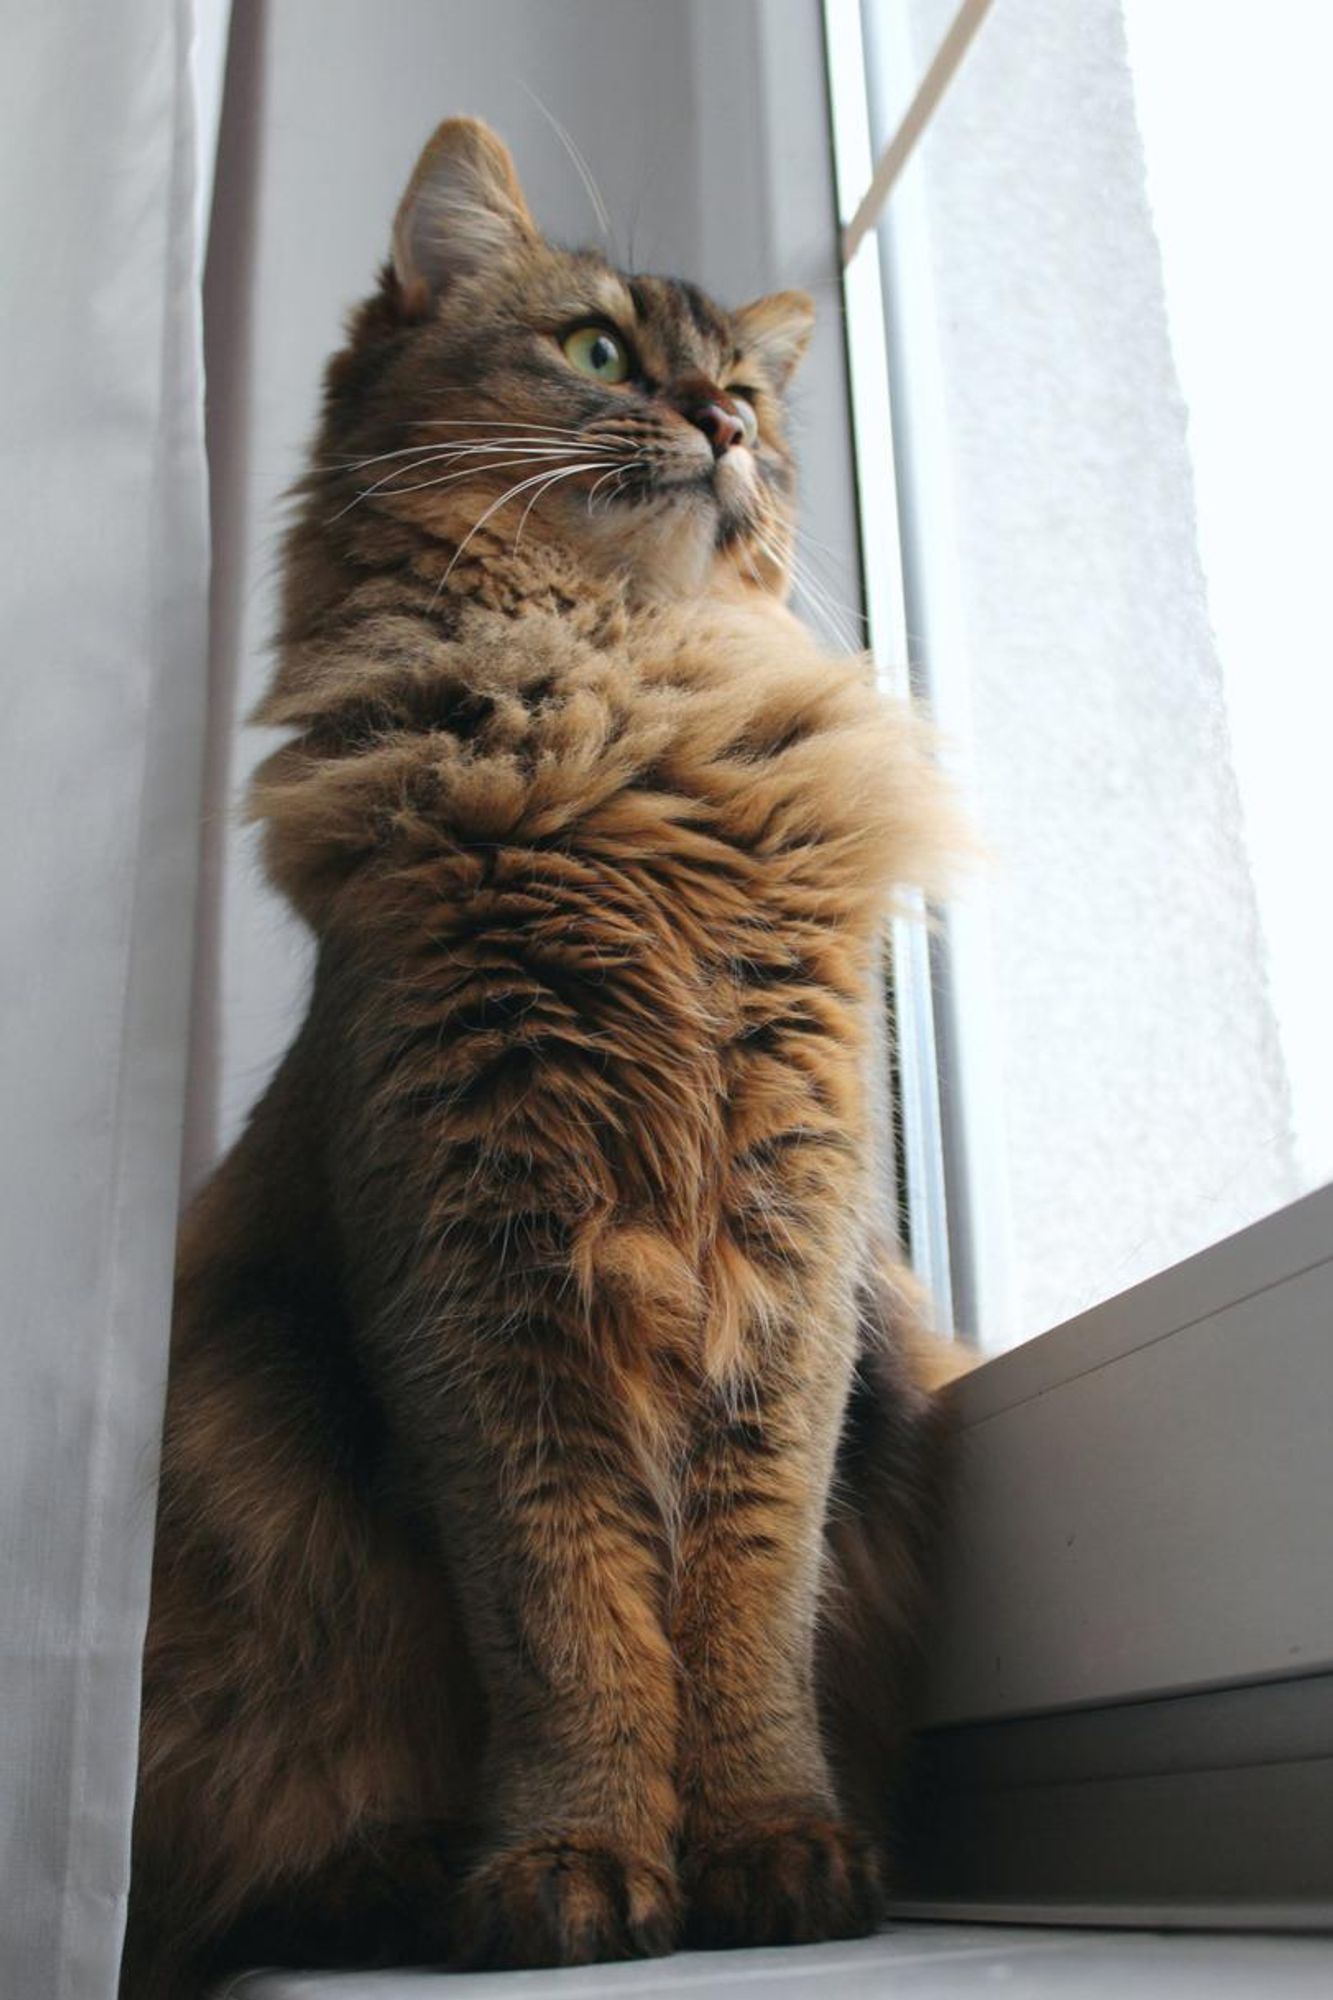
(744, 794)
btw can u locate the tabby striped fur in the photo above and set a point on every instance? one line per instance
(516, 1337)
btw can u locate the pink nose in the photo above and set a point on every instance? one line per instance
(721, 427)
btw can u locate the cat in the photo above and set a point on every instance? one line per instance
(548, 1454)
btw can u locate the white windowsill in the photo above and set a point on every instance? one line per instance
(934, 1961)
(1143, 1493)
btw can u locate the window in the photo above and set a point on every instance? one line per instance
(1092, 415)
(1104, 325)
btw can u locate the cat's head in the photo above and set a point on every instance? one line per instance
(500, 387)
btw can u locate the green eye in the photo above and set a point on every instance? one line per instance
(594, 351)
(745, 411)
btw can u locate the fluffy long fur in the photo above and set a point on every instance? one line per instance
(514, 1601)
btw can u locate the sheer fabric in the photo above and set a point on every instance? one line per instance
(103, 525)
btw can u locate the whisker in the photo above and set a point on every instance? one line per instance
(617, 472)
(468, 472)
(460, 445)
(828, 613)
(523, 519)
(818, 558)
(581, 167)
(512, 493)
(838, 614)
(831, 615)
(494, 465)
(498, 424)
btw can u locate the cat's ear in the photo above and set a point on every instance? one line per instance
(463, 210)
(777, 330)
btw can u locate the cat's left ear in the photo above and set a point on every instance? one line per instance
(462, 212)
(777, 330)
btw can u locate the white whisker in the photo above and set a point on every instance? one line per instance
(498, 424)
(512, 493)
(492, 465)
(523, 519)
(617, 472)
(581, 167)
(833, 616)
(530, 456)
(415, 486)
(461, 445)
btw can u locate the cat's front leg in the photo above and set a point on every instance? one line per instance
(767, 1857)
(560, 1560)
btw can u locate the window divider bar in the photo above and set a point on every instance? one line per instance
(944, 67)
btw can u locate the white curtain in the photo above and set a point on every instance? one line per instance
(103, 528)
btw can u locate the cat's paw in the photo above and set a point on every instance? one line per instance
(568, 1902)
(791, 1881)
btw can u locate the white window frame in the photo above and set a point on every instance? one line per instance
(1130, 1706)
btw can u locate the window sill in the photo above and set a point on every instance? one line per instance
(933, 1961)
(1143, 1504)
(1132, 1694)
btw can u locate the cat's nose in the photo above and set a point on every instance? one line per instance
(710, 409)
(722, 427)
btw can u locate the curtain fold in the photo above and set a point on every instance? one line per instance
(103, 525)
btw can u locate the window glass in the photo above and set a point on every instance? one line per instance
(1106, 284)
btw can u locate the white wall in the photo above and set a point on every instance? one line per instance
(704, 125)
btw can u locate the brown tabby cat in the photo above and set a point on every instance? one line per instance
(516, 1337)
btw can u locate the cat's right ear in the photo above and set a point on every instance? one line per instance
(463, 211)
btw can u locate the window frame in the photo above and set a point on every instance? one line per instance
(956, 1175)
(1129, 1714)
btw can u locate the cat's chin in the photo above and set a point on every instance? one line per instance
(665, 538)
(662, 545)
